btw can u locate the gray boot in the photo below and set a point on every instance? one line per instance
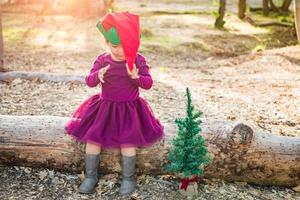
(128, 169)
(91, 174)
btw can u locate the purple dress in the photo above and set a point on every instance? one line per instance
(117, 116)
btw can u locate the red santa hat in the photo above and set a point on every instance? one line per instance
(127, 27)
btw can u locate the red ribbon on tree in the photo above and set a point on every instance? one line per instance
(185, 182)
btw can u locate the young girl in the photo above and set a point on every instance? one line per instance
(117, 117)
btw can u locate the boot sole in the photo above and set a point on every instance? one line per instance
(129, 193)
(89, 192)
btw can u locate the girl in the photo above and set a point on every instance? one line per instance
(117, 117)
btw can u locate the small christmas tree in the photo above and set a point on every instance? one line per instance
(188, 153)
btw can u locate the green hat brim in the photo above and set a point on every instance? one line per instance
(111, 35)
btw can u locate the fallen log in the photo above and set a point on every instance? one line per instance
(239, 153)
(11, 75)
(264, 24)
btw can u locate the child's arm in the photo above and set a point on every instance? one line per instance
(145, 80)
(92, 79)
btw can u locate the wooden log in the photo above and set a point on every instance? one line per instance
(37, 141)
(264, 24)
(10, 76)
(239, 153)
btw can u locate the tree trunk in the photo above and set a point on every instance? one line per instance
(1, 43)
(266, 7)
(273, 6)
(242, 9)
(239, 153)
(297, 18)
(219, 23)
(285, 5)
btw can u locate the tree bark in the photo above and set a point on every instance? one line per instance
(239, 153)
(266, 7)
(242, 8)
(285, 5)
(273, 6)
(10, 76)
(1, 43)
(219, 23)
(297, 18)
(264, 24)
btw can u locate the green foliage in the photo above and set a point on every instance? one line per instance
(215, 13)
(289, 19)
(188, 153)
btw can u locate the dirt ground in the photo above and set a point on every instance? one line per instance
(30, 183)
(241, 73)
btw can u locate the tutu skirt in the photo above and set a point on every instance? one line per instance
(113, 124)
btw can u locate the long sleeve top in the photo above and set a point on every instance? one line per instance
(117, 83)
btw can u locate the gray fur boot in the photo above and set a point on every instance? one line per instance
(128, 170)
(91, 174)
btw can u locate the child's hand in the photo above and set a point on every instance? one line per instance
(101, 73)
(134, 73)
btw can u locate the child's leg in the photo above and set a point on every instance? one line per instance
(92, 158)
(92, 148)
(128, 169)
(131, 151)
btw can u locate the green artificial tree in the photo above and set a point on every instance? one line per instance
(188, 153)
